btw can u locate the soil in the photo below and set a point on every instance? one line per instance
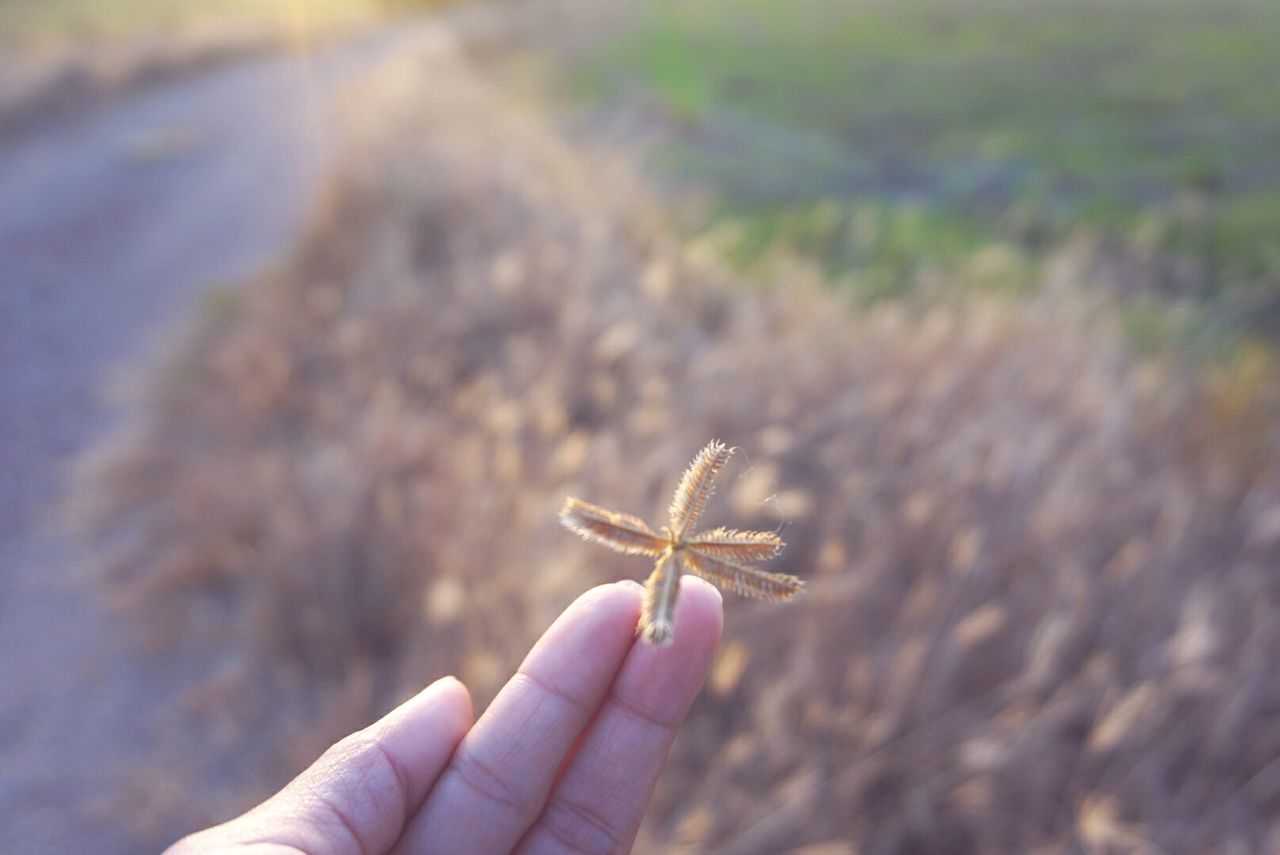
(116, 223)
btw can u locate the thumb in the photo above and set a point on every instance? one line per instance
(357, 797)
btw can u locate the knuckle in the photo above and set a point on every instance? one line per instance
(582, 828)
(485, 782)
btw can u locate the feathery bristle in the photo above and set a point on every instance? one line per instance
(737, 545)
(697, 486)
(713, 555)
(740, 579)
(620, 532)
(658, 614)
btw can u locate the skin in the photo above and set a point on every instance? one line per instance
(563, 760)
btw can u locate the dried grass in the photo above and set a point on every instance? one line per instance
(718, 555)
(1042, 575)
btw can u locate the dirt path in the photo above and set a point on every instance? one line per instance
(114, 224)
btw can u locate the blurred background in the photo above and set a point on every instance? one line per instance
(312, 313)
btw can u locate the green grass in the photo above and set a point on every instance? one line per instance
(960, 123)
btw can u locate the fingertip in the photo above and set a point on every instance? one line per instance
(630, 585)
(441, 712)
(703, 606)
(450, 699)
(449, 685)
(597, 627)
(705, 589)
(625, 590)
(611, 603)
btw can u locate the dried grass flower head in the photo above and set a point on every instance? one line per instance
(718, 555)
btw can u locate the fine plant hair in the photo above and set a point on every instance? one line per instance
(715, 555)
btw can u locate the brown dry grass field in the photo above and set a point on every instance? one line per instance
(1042, 608)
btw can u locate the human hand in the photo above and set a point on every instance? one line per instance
(563, 760)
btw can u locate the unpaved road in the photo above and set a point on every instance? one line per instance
(114, 223)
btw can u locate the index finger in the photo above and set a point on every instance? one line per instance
(498, 780)
(598, 803)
